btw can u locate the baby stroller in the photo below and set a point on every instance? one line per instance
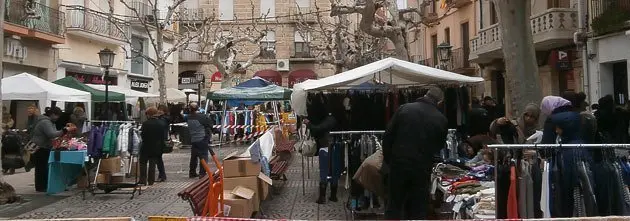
(12, 152)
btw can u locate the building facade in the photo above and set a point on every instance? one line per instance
(607, 49)
(31, 31)
(89, 30)
(286, 58)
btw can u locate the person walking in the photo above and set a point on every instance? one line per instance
(153, 138)
(415, 134)
(44, 132)
(200, 128)
(166, 121)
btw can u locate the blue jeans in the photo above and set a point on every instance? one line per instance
(198, 152)
(327, 159)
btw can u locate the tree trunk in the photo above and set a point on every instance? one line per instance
(161, 62)
(400, 46)
(519, 54)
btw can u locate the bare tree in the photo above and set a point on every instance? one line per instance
(519, 53)
(232, 46)
(156, 25)
(383, 19)
(334, 40)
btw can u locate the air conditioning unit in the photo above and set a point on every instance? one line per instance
(282, 64)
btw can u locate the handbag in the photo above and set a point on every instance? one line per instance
(306, 145)
(31, 147)
(168, 146)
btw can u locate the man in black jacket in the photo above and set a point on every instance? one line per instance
(415, 134)
(200, 128)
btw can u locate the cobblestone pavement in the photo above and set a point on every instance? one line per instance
(287, 200)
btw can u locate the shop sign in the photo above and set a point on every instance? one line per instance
(187, 80)
(139, 84)
(561, 60)
(216, 77)
(92, 79)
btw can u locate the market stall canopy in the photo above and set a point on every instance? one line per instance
(131, 96)
(173, 95)
(28, 87)
(390, 71)
(252, 89)
(97, 95)
(195, 98)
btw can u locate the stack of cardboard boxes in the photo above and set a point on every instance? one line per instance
(244, 186)
(109, 171)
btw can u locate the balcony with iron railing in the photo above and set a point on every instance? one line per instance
(196, 15)
(35, 16)
(551, 29)
(459, 61)
(607, 16)
(89, 24)
(428, 62)
(303, 14)
(139, 10)
(458, 3)
(190, 54)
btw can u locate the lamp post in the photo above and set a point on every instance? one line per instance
(200, 80)
(107, 61)
(444, 50)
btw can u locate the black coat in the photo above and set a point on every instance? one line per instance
(153, 138)
(416, 132)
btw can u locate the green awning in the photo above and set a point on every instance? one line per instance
(97, 95)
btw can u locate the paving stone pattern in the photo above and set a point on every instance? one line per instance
(287, 201)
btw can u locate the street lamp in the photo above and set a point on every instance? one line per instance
(107, 61)
(200, 79)
(444, 50)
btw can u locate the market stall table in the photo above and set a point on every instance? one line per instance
(63, 169)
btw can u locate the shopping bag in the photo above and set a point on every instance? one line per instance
(306, 145)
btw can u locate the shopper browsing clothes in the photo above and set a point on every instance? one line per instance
(416, 133)
(153, 138)
(44, 132)
(200, 135)
(320, 123)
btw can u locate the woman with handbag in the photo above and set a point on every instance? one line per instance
(153, 144)
(40, 144)
(319, 128)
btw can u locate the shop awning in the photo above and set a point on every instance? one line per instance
(298, 76)
(270, 75)
(255, 89)
(131, 96)
(97, 95)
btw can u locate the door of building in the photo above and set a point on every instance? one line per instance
(620, 81)
(465, 43)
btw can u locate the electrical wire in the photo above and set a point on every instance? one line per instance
(191, 20)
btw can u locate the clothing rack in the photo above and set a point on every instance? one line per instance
(358, 132)
(544, 147)
(373, 133)
(109, 188)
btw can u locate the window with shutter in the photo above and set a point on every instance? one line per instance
(268, 9)
(226, 8)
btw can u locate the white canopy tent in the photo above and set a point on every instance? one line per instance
(172, 95)
(28, 87)
(195, 98)
(131, 96)
(389, 71)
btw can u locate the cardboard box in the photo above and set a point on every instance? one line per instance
(103, 178)
(240, 207)
(117, 178)
(264, 183)
(110, 165)
(238, 167)
(249, 182)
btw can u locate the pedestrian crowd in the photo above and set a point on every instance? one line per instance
(418, 132)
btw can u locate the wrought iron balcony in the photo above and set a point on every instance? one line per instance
(34, 15)
(459, 60)
(551, 29)
(607, 16)
(93, 25)
(428, 62)
(143, 11)
(303, 14)
(458, 3)
(195, 15)
(186, 55)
